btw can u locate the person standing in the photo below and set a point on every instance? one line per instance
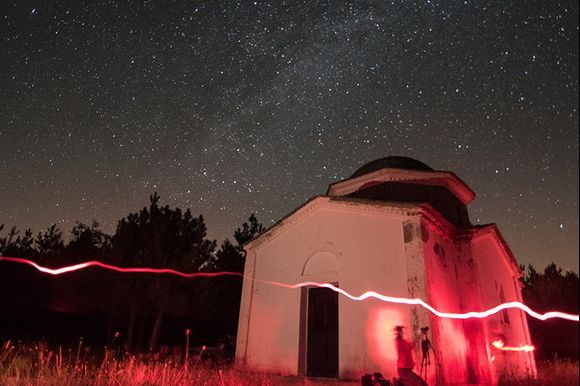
(405, 362)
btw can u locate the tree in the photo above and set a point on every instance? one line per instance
(88, 242)
(163, 238)
(2, 241)
(22, 285)
(231, 258)
(49, 243)
(552, 290)
(249, 230)
(17, 245)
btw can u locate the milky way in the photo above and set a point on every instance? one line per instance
(232, 107)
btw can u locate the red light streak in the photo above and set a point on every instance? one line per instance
(420, 302)
(94, 263)
(364, 296)
(500, 345)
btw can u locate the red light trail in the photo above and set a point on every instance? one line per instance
(420, 302)
(94, 263)
(500, 345)
(364, 296)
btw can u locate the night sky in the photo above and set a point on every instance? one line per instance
(229, 108)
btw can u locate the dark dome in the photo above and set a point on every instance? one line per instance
(393, 163)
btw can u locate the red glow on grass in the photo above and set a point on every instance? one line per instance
(501, 346)
(364, 296)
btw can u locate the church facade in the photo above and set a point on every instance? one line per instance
(398, 228)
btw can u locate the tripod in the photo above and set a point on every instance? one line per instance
(426, 350)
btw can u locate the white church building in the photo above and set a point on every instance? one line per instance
(399, 228)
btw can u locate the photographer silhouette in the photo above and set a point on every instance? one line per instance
(405, 362)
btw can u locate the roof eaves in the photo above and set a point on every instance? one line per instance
(493, 230)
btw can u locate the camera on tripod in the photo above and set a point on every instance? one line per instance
(426, 351)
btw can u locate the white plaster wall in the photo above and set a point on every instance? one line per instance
(367, 244)
(445, 294)
(493, 268)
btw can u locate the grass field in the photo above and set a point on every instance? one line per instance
(554, 372)
(37, 364)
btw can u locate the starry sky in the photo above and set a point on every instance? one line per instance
(233, 107)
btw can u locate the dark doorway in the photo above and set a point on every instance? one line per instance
(322, 339)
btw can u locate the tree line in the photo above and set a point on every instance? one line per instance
(158, 237)
(161, 237)
(552, 289)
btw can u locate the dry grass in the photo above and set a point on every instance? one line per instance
(555, 372)
(37, 364)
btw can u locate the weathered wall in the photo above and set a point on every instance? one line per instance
(477, 359)
(367, 245)
(417, 287)
(445, 294)
(453, 286)
(496, 275)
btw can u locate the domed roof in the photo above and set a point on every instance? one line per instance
(393, 163)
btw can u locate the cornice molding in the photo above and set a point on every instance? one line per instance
(445, 179)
